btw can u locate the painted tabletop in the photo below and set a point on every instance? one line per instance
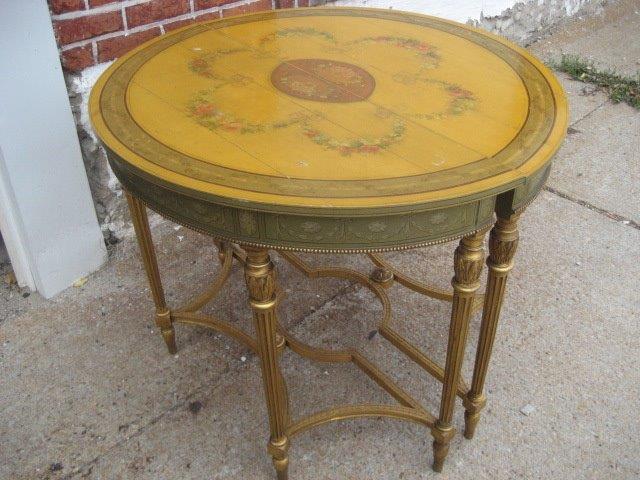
(313, 110)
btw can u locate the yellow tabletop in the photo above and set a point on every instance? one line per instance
(322, 111)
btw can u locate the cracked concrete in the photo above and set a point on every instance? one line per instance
(87, 389)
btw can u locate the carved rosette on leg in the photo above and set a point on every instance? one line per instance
(145, 241)
(261, 283)
(468, 262)
(503, 243)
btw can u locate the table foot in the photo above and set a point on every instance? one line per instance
(442, 435)
(165, 323)
(473, 406)
(279, 452)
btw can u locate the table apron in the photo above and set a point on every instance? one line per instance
(326, 233)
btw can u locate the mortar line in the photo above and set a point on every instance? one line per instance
(614, 216)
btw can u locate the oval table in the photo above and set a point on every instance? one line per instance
(343, 131)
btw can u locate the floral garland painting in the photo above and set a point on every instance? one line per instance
(208, 114)
(427, 52)
(357, 145)
(203, 64)
(326, 81)
(284, 33)
(460, 100)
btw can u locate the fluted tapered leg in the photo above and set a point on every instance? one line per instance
(148, 253)
(261, 283)
(503, 242)
(468, 262)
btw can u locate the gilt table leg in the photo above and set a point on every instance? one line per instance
(261, 283)
(503, 242)
(148, 253)
(468, 262)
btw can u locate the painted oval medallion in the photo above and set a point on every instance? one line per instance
(323, 80)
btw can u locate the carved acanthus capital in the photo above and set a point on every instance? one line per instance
(260, 275)
(503, 241)
(468, 260)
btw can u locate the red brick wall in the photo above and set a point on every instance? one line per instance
(95, 31)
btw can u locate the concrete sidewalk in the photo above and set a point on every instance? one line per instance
(87, 389)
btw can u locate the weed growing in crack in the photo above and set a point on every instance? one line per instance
(619, 88)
